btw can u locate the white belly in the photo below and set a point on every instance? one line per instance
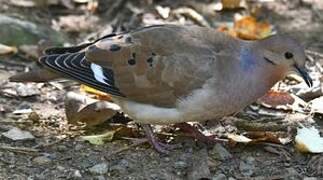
(201, 105)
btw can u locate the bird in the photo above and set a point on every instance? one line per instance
(173, 74)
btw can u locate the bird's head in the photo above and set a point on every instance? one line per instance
(286, 53)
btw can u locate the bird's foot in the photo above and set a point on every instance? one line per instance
(195, 133)
(159, 146)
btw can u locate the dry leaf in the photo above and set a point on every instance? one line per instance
(260, 136)
(283, 101)
(23, 111)
(82, 109)
(192, 14)
(163, 11)
(115, 133)
(267, 136)
(317, 105)
(248, 28)
(98, 94)
(275, 98)
(99, 139)
(4, 49)
(308, 140)
(230, 4)
(239, 138)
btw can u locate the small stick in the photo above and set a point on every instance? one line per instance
(23, 150)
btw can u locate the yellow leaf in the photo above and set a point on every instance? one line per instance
(101, 138)
(98, 94)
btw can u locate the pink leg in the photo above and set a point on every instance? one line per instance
(159, 146)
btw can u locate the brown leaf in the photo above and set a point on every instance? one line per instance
(230, 4)
(249, 29)
(82, 109)
(275, 98)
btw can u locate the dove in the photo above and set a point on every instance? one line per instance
(169, 74)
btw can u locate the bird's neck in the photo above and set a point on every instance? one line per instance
(259, 72)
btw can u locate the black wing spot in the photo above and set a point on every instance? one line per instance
(115, 47)
(150, 61)
(128, 39)
(131, 62)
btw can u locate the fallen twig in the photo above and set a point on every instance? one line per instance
(135, 144)
(47, 144)
(22, 150)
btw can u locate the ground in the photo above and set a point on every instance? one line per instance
(56, 149)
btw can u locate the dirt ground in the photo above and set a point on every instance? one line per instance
(56, 149)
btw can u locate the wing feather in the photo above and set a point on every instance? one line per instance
(74, 65)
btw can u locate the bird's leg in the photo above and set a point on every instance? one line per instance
(195, 133)
(159, 146)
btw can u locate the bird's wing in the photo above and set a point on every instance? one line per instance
(154, 65)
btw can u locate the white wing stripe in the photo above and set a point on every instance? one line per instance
(98, 73)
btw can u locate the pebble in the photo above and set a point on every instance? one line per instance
(100, 169)
(41, 160)
(247, 167)
(77, 174)
(27, 90)
(310, 178)
(17, 134)
(99, 178)
(78, 147)
(291, 173)
(199, 168)
(60, 168)
(220, 177)
(61, 148)
(221, 153)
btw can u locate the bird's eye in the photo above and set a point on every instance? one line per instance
(288, 55)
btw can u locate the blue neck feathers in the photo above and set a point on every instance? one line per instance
(247, 59)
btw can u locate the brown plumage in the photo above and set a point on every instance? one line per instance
(169, 74)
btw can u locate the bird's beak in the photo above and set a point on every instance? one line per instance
(305, 76)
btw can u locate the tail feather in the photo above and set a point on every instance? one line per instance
(37, 75)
